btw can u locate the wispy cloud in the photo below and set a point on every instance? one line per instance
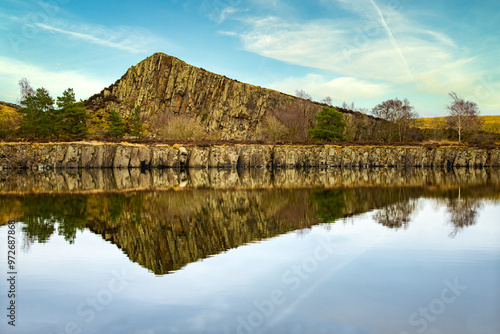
(392, 39)
(121, 45)
(339, 89)
(225, 13)
(11, 70)
(365, 49)
(130, 39)
(220, 11)
(228, 33)
(378, 48)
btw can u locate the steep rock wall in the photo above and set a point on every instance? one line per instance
(230, 108)
(125, 155)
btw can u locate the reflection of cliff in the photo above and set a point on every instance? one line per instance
(165, 230)
(173, 229)
(116, 180)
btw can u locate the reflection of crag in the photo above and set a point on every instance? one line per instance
(165, 230)
(175, 228)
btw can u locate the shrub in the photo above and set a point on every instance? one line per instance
(183, 127)
(482, 138)
(330, 125)
(273, 129)
(290, 123)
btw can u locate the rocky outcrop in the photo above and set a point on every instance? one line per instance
(225, 107)
(126, 155)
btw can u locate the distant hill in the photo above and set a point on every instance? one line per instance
(490, 123)
(225, 107)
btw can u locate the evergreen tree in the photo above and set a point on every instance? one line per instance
(71, 117)
(330, 125)
(116, 125)
(76, 121)
(37, 114)
(136, 126)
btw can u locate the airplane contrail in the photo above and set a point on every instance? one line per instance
(393, 40)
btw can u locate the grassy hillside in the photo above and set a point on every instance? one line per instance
(9, 119)
(490, 123)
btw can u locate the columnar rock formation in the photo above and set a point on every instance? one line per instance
(125, 155)
(230, 108)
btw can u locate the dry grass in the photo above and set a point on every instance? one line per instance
(10, 121)
(273, 129)
(443, 142)
(181, 127)
(490, 123)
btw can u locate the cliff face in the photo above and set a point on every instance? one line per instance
(124, 155)
(227, 107)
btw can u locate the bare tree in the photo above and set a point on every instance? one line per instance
(303, 95)
(348, 106)
(463, 116)
(291, 122)
(400, 113)
(25, 89)
(301, 113)
(327, 100)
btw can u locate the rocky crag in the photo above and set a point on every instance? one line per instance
(126, 155)
(225, 107)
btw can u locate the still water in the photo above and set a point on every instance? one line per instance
(341, 251)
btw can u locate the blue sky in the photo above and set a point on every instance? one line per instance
(361, 51)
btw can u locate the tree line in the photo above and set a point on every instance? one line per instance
(43, 117)
(302, 121)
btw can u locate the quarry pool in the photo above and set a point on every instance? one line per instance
(417, 253)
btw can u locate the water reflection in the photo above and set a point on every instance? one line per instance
(106, 180)
(463, 211)
(396, 215)
(165, 230)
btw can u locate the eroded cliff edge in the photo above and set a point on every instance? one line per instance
(127, 155)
